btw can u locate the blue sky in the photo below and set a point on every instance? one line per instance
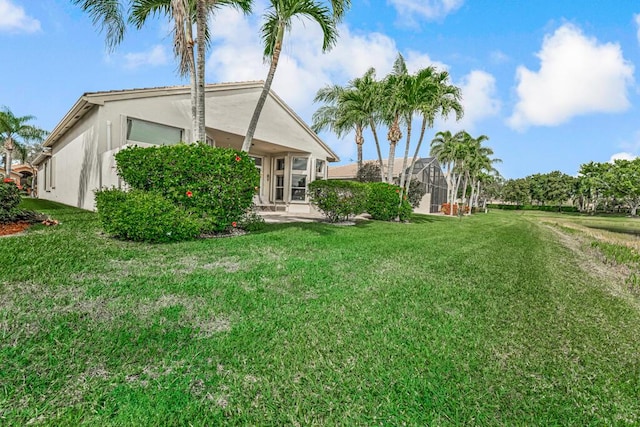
(551, 83)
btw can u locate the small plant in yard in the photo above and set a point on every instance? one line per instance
(338, 200)
(9, 211)
(384, 202)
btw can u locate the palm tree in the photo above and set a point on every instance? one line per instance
(338, 117)
(443, 148)
(113, 15)
(396, 109)
(365, 95)
(15, 132)
(431, 96)
(348, 109)
(278, 20)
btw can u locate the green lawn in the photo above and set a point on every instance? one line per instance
(488, 320)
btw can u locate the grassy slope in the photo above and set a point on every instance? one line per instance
(483, 321)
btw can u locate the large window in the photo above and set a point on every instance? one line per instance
(152, 133)
(299, 178)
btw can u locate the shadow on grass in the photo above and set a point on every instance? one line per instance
(614, 229)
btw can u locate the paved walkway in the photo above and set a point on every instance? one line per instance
(286, 217)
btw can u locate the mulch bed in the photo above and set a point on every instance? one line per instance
(13, 228)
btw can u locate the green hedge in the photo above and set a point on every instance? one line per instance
(216, 185)
(546, 208)
(383, 202)
(337, 199)
(144, 216)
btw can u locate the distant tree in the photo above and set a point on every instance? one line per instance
(16, 134)
(516, 191)
(623, 179)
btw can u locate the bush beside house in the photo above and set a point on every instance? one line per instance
(210, 187)
(384, 203)
(338, 200)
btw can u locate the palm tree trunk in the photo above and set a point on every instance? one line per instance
(359, 143)
(464, 190)
(415, 155)
(393, 136)
(8, 146)
(193, 81)
(201, 22)
(403, 176)
(375, 138)
(246, 145)
(472, 195)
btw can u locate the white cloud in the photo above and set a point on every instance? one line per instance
(236, 55)
(478, 98)
(430, 10)
(577, 76)
(499, 57)
(14, 19)
(237, 51)
(636, 18)
(156, 56)
(622, 156)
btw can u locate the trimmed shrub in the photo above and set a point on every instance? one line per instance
(338, 200)
(9, 201)
(383, 202)
(216, 185)
(143, 216)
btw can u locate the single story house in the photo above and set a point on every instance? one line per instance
(427, 171)
(79, 152)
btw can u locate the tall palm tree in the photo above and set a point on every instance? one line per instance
(338, 116)
(396, 109)
(16, 133)
(113, 15)
(443, 149)
(346, 109)
(431, 95)
(365, 96)
(279, 19)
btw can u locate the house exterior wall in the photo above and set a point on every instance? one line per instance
(72, 172)
(82, 160)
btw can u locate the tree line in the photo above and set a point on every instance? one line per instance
(599, 187)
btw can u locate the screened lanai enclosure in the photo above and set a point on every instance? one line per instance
(428, 172)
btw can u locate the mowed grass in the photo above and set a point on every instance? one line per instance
(487, 320)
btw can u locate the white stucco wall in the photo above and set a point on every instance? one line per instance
(76, 165)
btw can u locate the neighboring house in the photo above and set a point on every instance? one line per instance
(427, 171)
(79, 152)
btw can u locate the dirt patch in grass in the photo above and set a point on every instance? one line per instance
(13, 228)
(593, 263)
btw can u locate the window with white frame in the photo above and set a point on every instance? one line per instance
(152, 133)
(320, 167)
(279, 179)
(299, 177)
